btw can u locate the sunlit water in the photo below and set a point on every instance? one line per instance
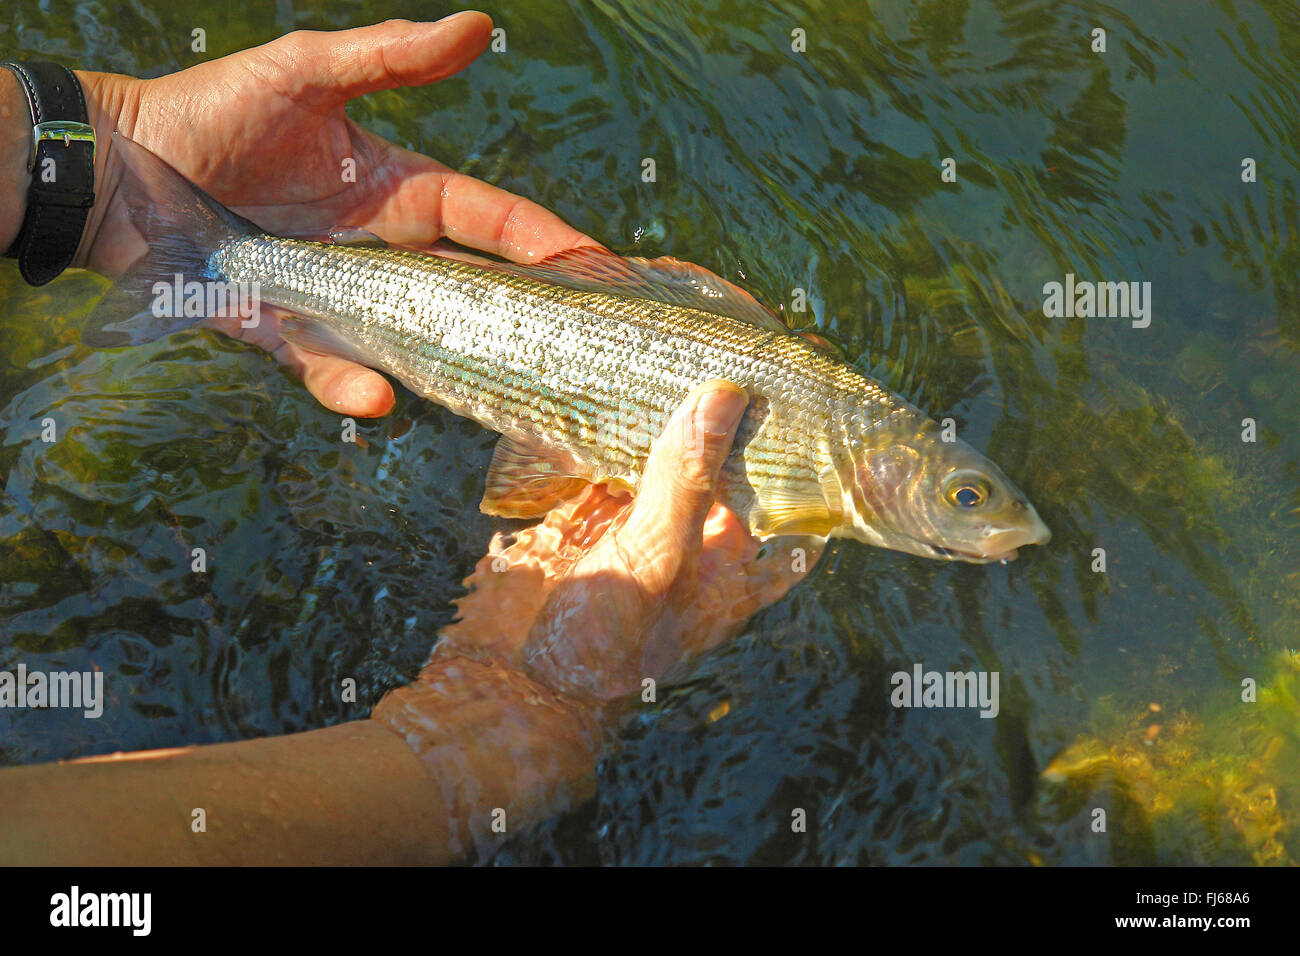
(816, 171)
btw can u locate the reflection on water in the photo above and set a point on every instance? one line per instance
(815, 171)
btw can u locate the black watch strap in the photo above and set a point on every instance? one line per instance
(62, 165)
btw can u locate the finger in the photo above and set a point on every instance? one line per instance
(762, 580)
(345, 387)
(334, 67)
(681, 476)
(783, 563)
(430, 201)
(506, 590)
(512, 582)
(727, 543)
(485, 217)
(338, 384)
(341, 386)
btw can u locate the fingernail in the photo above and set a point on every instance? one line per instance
(718, 407)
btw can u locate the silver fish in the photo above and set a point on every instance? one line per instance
(579, 361)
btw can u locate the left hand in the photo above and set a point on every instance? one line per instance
(264, 131)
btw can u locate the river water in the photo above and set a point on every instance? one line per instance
(809, 168)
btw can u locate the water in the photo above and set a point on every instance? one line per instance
(816, 171)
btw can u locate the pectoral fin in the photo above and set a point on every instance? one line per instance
(787, 511)
(315, 336)
(527, 479)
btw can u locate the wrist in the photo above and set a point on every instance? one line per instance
(493, 739)
(15, 147)
(112, 103)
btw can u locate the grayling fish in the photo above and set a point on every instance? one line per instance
(578, 362)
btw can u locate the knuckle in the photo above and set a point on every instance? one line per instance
(697, 468)
(695, 476)
(296, 42)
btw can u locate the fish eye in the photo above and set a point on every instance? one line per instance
(966, 490)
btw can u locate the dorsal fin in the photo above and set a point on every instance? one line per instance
(353, 236)
(665, 279)
(822, 343)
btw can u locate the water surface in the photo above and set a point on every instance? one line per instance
(816, 171)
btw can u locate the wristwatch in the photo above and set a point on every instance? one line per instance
(62, 164)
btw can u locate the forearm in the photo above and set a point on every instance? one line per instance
(349, 794)
(466, 746)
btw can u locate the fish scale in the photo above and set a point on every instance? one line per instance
(544, 362)
(579, 361)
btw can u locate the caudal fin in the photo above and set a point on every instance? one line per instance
(177, 227)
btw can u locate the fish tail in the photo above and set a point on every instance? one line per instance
(177, 227)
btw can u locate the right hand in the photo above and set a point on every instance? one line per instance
(608, 591)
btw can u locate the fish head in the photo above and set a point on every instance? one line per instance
(940, 499)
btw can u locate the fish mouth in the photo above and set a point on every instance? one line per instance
(1001, 545)
(974, 557)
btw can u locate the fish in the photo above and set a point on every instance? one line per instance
(578, 362)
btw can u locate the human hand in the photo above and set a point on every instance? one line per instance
(264, 131)
(507, 721)
(608, 591)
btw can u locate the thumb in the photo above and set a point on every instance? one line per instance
(681, 477)
(345, 64)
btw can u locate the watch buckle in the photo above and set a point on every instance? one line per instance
(66, 132)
